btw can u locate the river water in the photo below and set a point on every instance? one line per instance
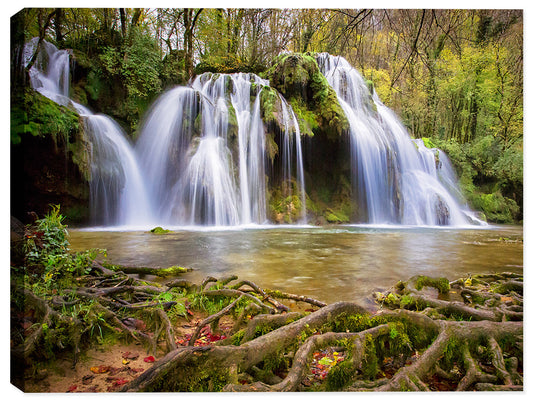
(327, 263)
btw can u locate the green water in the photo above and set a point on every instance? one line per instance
(329, 264)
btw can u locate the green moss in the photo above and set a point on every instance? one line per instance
(237, 337)
(496, 207)
(202, 375)
(314, 102)
(369, 85)
(285, 209)
(370, 364)
(400, 341)
(269, 103)
(263, 329)
(171, 271)
(354, 323)
(452, 353)
(159, 231)
(336, 216)
(34, 114)
(340, 375)
(307, 119)
(441, 284)
(76, 214)
(272, 148)
(428, 143)
(407, 302)
(233, 124)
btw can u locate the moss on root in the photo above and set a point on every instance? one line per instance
(441, 284)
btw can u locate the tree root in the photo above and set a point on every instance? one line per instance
(469, 355)
(296, 297)
(421, 339)
(212, 319)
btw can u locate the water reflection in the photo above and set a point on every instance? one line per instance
(329, 264)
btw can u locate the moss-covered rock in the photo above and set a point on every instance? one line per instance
(159, 231)
(286, 209)
(49, 158)
(269, 104)
(496, 207)
(298, 78)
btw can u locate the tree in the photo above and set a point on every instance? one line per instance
(190, 18)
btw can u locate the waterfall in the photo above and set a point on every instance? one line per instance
(117, 192)
(291, 133)
(50, 74)
(395, 179)
(201, 155)
(118, 195)
(202, 149)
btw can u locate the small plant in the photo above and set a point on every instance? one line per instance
(47, 237)
(47, 248)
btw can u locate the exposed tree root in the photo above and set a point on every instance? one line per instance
(428, 349)
(428, 335)
(212, 319)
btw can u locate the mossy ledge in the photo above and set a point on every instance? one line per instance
(298, 78)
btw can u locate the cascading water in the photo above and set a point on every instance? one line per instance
(118, 195)
(201, 155)
(394, 181)
(116, 187)
(291, 133)
(203, 151)
(50, 73)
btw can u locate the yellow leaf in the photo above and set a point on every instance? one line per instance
(101, 369)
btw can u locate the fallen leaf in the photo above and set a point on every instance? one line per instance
(100, 369)
(125, 362)
(72, 388)
(149, 359)
(505, 298)
(130, 356)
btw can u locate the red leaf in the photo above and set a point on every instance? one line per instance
(120, 382)
(72, 388)
(149, 359)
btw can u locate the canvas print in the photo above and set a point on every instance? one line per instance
(266, 200)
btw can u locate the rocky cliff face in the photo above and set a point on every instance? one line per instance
(322, 124)
(49, 160)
